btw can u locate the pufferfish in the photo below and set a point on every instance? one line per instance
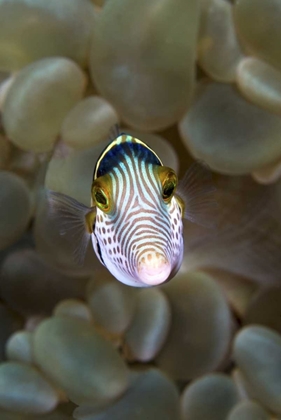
(136, 216)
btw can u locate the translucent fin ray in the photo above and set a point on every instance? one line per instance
(72, 218)
(197, 192)
(247, 239)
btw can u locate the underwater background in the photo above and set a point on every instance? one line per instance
(196, 80)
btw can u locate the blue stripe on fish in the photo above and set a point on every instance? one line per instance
(117, 150)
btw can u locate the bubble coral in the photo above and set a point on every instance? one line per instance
(195, 80)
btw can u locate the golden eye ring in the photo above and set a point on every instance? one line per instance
(101, 198)
(169, 186)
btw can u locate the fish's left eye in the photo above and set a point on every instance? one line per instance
(169, 186)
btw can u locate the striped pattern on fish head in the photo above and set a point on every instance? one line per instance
(138, 229)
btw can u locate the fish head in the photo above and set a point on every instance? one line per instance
(138, 231)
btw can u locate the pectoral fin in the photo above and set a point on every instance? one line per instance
(75, 221)
(196, 195)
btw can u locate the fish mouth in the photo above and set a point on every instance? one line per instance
(153, 269)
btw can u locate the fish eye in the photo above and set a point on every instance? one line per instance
(168, 190)
(101, 198)
(168, 186)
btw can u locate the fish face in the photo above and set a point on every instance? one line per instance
(140, 239)
(136, 213)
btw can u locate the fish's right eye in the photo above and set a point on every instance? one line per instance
(101, 199)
